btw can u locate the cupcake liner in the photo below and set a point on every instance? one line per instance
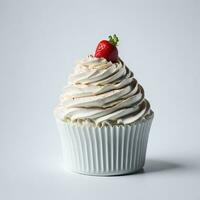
(110, 150)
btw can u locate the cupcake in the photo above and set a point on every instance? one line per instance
(103, 117)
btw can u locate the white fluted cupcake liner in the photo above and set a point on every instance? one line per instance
(105, 151)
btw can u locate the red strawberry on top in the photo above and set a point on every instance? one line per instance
(107, 49)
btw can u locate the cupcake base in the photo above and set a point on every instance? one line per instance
(106, 151)
(119, 173)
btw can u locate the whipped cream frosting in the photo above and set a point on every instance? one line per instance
(102, 93)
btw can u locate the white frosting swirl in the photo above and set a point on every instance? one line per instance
(102, 93)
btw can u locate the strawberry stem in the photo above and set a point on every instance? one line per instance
(113, 39)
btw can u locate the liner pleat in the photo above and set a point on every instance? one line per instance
(110, 150)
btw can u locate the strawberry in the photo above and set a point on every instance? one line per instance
(107, 49)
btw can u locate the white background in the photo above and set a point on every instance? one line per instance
(40, 42)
